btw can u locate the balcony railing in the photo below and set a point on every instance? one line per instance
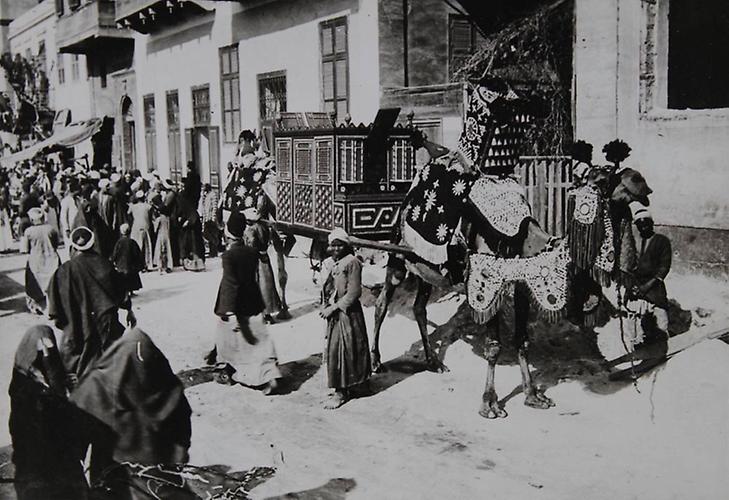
(78, 30)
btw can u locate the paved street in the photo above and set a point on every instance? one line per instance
(602, 440)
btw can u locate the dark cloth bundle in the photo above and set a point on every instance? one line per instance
(47, 448)
(433, 208)
(134, 393)
(128, 260)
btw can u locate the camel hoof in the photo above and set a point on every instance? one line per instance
(540, 403)
(376, 364)
(492, 411)
(284, 315)
(437, 366)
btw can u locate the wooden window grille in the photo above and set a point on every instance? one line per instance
(401, 161)
(230, 92)
(323, 160)
(201, 106)
(350, 160)
(271, 94)
(283, 158)
(302, 160)
(335, 66)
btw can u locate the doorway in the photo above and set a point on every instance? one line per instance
(129, 147)
(203, 149)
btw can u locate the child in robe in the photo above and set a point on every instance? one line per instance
(128, 260)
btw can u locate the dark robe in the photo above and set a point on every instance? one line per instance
(192, 244)
(238, 292)
(128, 260)
(84, 297)
(347, 354)
(88, 215)
(47, 447)
(139, 408)
(654, 261)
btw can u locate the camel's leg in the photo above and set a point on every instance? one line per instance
(421, 318)
(533, 396)
(283, 278)
(490, 407)
(393, 278)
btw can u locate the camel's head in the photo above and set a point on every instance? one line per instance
(632, 187)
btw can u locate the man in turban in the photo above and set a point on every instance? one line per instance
(84, 297)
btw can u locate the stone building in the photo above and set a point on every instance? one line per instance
(656, 75)
(205, 70)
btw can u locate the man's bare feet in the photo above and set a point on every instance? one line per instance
(335, 400)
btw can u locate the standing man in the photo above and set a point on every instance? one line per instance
(241, 338)
(654, 263)
(211, 230)
(84, 297)
(69, 209)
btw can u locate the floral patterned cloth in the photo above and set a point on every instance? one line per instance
(433, 207)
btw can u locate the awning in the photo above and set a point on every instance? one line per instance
(65, 137)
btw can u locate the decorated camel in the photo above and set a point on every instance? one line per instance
(453, 198)
(252, 184)
(469, 198)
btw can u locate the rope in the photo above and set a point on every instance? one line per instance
(631, 354)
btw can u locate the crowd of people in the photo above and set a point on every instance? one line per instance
(102, 380)
(105, 383)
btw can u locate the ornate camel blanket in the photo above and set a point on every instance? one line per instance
(502, 202)
(489, 279)
(591, 233)
(433, 207)
(251, 181)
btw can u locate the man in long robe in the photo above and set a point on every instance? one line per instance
(84, 298)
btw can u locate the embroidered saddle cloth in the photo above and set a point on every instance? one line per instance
(489, 278)
(502, 202)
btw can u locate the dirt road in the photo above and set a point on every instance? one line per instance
(419, 435)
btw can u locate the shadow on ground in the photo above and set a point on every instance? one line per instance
(294, 374)
(334, 489)
(558, 351)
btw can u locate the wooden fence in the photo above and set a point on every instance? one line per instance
(547, 179)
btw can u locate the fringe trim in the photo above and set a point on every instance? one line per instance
(435, 254)
(483, 317)
(584, 242)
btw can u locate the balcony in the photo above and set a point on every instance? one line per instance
(149, 16)
(91, 27)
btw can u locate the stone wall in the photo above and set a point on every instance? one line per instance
(684, 154)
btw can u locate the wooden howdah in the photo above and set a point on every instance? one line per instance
(342, 176)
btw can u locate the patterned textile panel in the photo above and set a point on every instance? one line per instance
(283, 202)
(373, 217)
(303, 199)
(338, 215)
(323, 215)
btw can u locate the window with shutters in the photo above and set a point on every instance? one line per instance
(61, 70)
(335, 66)
(59, 7)
(75, 67)
(174, 140)
(74, 4)
(230, 92)
(461, 41)
(201, 106)
(150, 132)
